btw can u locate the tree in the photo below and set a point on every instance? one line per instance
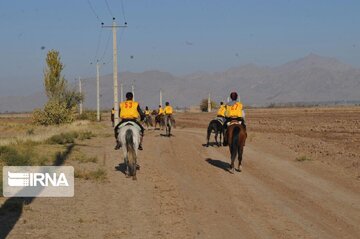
(204, 105)
(62, 100)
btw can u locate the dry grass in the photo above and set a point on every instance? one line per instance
(13, 132)
(303, 159)
(98, 175)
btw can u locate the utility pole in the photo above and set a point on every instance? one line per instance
(80, 105)
(122, 92)
(115, 70)
(209, 103)
(161, 97)
(133, 91)
(97, 91)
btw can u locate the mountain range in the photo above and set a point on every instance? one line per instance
(309, 79)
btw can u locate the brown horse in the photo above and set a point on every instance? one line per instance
(236, 135)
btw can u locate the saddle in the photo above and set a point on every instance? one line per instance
(234, 122)
(220, 120)
(132, 123)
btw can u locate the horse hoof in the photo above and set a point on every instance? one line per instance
(232, 171)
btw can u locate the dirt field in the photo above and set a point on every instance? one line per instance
(185, 191)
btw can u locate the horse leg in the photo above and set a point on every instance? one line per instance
(220, 138)
(216, 135)
(240, 154)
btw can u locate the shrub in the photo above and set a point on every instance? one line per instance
(12, 157)
(85, 135)
(204, 105)
(87, 116)
(63, 138)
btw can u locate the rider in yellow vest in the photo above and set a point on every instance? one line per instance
(234, 111)
(222, 110)
(130, 110)
(168, 111)
(147, 111)
(160, 111)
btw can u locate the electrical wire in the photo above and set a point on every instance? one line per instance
(123, 10)
(108, 8)
(93, 11)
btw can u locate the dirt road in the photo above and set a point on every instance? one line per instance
(185, 191)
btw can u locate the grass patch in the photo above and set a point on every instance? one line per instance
(303, 158)
(63, 138)
(69, 137)
(85, 135)
(82, 158)
(98, 175)
(30, 131)
(11, 156)
(89, 115)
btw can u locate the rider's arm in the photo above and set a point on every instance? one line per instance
(141, 113)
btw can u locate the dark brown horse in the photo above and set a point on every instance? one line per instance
(236, 135)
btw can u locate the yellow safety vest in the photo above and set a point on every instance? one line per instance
(128, 110)
(147, 112)
(112, 112)
(168, 110)
(161, 111)
(235, 110)
(221, 111)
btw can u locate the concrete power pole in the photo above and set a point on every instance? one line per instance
(209, 103)
(81, 104)
(115, 70)
(97, 92)
(121, 92)
(133, 91)
(161, 98)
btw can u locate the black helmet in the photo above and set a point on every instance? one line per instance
(221, 103)
(129, 96)
(167, 103)
(233, 96)
(147, 108)
(159, 106)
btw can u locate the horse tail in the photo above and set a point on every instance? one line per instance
(131, 153)
(235, 142)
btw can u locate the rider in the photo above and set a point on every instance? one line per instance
(130, 110)
(160, 111)
(234, 112)
(147, 111)
(168, 111)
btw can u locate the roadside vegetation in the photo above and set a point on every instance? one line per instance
(62, 100)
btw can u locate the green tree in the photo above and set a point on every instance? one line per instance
(204, 105)
(54, 82)
(62, 100)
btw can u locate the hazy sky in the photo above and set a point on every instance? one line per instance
(177, 36)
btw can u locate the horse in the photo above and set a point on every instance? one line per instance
(129, 137)
(236, 135)
(159, 119)
(148, 121)
(217, 128)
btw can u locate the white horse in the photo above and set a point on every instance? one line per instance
(129, 137)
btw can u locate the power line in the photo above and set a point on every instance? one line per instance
(108, 8)
(98, 45)
(123, 10)
(93, 11)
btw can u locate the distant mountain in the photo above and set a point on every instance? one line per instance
(309, 79)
